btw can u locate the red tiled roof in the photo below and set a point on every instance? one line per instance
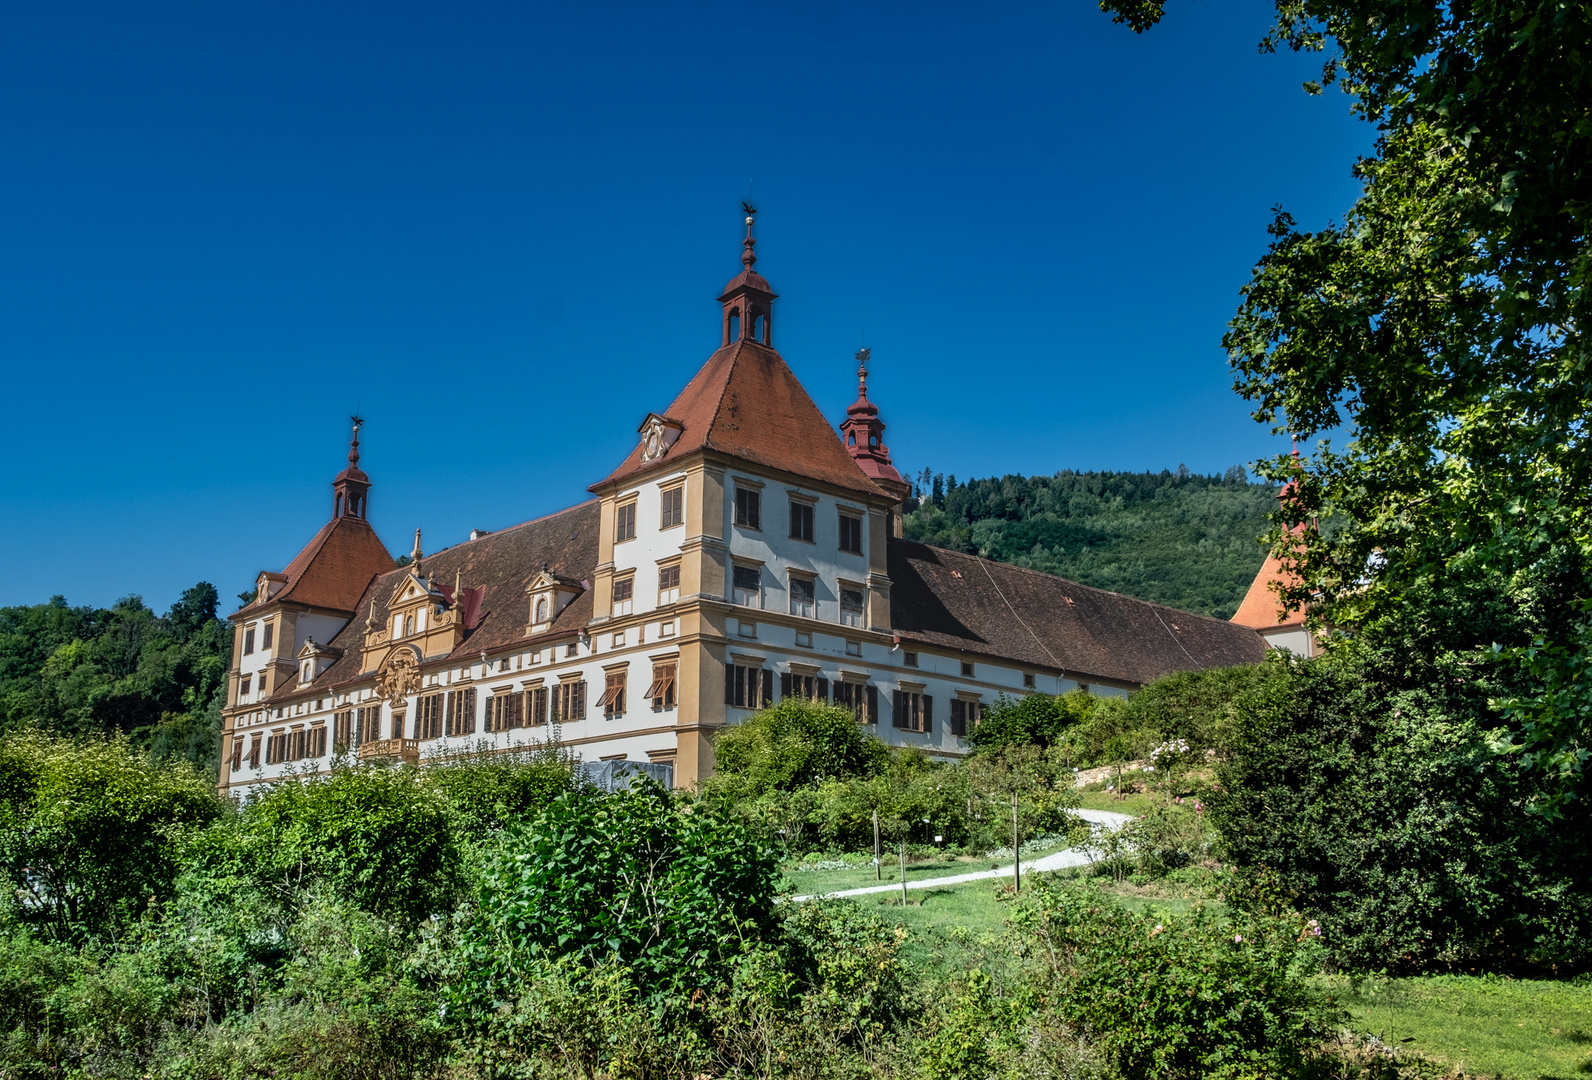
(334, 567)
(495, 568)
(1262, 608)
(963, 602)
(747, 403)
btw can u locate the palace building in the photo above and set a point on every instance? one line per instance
(745, 551)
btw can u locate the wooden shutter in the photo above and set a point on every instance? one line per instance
(319, 749)
(928, 714)
(873, 705)
(578, 709)
(729, 684)
(516, 705)
(898, 709)
(823, 690)
(784, 685)
(768, 687)
(254, 752)
(237, 752)
(469, 711)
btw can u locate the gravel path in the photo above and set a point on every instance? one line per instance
(1056, 860)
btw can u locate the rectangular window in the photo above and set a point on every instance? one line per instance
(748, 508)
(248, 641)
(1028, 680)
(267, 635)
(536, 706)
(343, 730)
(850, 606)
(671, 508)
(801, 521)
(910, 659)
(850, 533)
(748, 586)
(911, 711)
(965, 716)
(318, 742)
(301, 744)
(625, 522)
(801, 597)
(748, 687)
(428, 717)
(861, 699)
(505, 711)
(668, 584)
(662, 689)
(569, 702)
(254, 752)
(461, 712)
(624, 595)
(803, 687)
(237, 752)
(613, 699)
(967, 669)
(244, 684)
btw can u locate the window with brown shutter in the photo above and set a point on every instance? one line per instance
(624, 593)
(248, 641)
(244, 684)
(613, 699)
(237, 752)
(803, 687)
(861, 699)
(318, 742)
(965, 716)
(625, 522)
(343, 730)
(748, 687)
(671, 507)
(298, 746)
(911, 711)
(461, 712)
(569, 702)
(267, 635)
(428, 717)
(505, 711)
(536, 706)
(661, 692)
(668, 584)
(254, 752)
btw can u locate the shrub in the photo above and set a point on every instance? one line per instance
(1190, 997)
(672, 894)
(1384, 813)
(90, 831)
(791, 745)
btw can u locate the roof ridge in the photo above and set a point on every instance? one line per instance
(738, 347)
(1057, 577)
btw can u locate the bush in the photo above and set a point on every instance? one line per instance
(1190, 997)
(671, 894)
(792, 745)
(1384, 813)
(90, 831)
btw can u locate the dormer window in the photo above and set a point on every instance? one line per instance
(541, 610)
(306, 672)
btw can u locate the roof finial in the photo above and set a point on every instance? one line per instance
(862, 372)
(415, 556)
(353, 445)
(749, 257)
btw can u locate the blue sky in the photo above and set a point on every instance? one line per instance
(498, 230)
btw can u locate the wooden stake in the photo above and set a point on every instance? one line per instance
(878, 855)
(1017, 850)
(903, 873)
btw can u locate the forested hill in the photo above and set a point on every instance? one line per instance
(158, 679)
(1180, 539)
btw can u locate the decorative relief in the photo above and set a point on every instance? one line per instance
(654, 440)
(399, 676)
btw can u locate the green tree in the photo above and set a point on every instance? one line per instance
(91, 831)
(1442, 327)
(793, 744)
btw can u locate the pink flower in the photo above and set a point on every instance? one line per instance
(1238, 939)
(1199, 807)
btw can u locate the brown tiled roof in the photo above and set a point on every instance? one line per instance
(747, 403)
(501, 565)
(1262, 608)
(956, 601)
(334, 567)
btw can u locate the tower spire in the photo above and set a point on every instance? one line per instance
(748, 299)
(351, 487)
(863, 431)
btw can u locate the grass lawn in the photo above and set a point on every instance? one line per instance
(811, 882)
(1136, 803)
(1481, 1026)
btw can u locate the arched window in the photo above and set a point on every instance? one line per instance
(759, 327)
(541, 609)
(409, 625)
(851, 440)
(337, 509)
(735, 326)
